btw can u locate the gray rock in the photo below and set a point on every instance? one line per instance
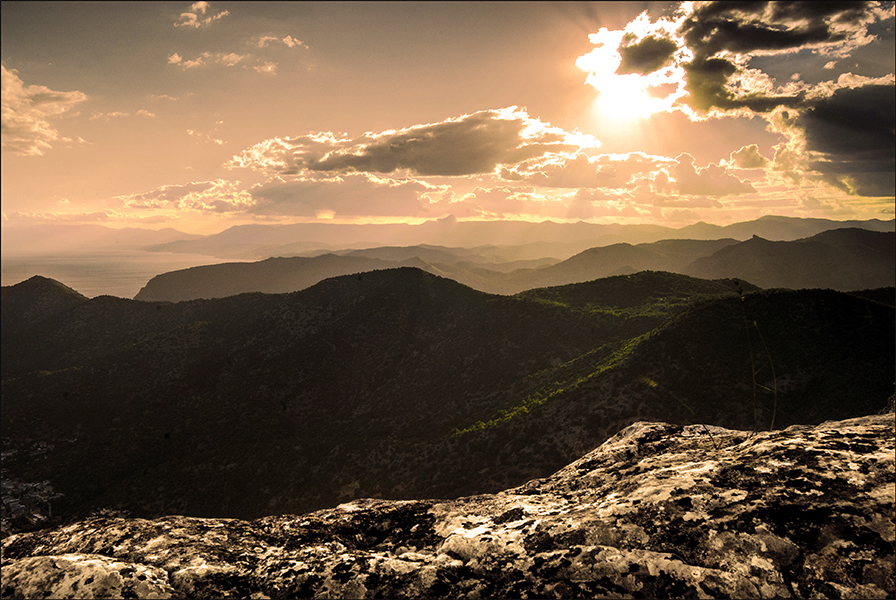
(656, 511)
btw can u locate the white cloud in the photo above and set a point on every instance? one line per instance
(712, 180)
(26, 111)
(582, 171)
(205, 137)
(288, 40)
(268, 67)
(195, 17)
(231, 59)
(218, 196)
(292, 42)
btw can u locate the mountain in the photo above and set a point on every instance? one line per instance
(34, 300)
(260, 241)
(659, 511)
(616, 259)
(841, 259)
(773, 227)
(65, 238)
(401, 384)
(273, 276)
(470, 266)
(252, 241)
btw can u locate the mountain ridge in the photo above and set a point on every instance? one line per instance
(398, 383)
(844, 259)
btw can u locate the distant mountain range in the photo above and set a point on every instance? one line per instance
(558, 240)
(68, 238)
(398, 383)
(536, 240)
(841, 259)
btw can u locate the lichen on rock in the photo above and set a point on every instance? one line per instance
(656, 511)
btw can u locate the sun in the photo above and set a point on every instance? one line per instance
(629, 96)
(625, 98)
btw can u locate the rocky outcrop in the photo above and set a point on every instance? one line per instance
(656, 511)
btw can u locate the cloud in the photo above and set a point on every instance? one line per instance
(632, 172)
(21, 218)
(288, 40)
(26, 111)
(218, 196)
(108, 115)
(704, 50)
(292, 42)
(583, 171)
(741, 28)
(646, 55)
(205, 137)
(118, 113)
(852, 138)
(837, 131)
(472, 144)
(637, 71)
(712, 180)
(267, 67)
(352, 195)
(748, 157)
(231, 59)
(195, 17)
(724, 36)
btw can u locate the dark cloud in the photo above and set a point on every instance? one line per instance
(854, 133)
(646, 56)
(744, 27)
(707, 87)
(721, 34)
(470, 145)
(475, 144)
(748, 157)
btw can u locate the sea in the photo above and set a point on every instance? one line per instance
(94, 274)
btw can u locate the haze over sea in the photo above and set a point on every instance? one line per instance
(119, 273)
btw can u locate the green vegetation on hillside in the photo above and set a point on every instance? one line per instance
(401, 384)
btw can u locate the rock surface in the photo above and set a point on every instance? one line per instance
(657, 511)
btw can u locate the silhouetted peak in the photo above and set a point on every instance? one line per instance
(35, 299)
(42, 286)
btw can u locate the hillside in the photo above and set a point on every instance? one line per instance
(842, 259)
(34, 300)
(272, 276)
(401, 384)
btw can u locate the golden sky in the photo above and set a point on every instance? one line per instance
(206, 115)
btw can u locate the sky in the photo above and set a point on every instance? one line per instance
(205, 115)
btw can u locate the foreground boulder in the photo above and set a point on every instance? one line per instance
(656, 511)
